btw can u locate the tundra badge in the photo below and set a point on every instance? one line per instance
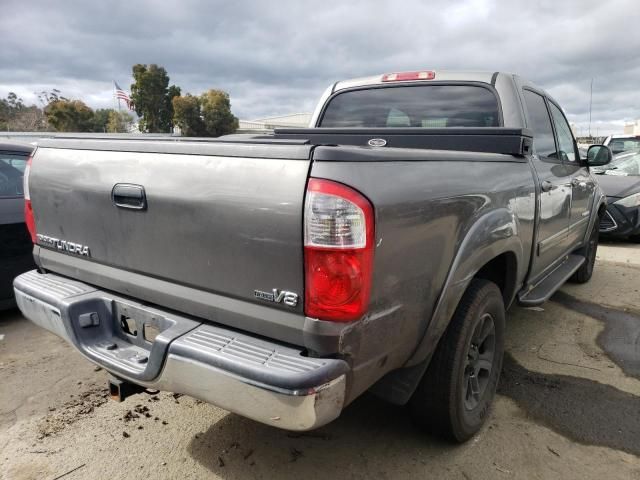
(278, 296)
(63, 245)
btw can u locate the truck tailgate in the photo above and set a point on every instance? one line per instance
(220, 218)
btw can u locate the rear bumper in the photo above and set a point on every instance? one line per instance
(262, 380)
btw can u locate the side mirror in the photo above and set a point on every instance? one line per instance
(598, 155)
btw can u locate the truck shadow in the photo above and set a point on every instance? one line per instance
(358, 444)
(375, 439)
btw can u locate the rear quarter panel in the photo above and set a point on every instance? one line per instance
(425, 211)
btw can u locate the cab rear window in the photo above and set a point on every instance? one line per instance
(425, 106)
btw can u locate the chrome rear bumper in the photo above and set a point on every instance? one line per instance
(262, 380)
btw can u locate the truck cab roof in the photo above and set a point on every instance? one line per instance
(440, 75)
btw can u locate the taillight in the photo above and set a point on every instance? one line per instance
(338, 251)
(28, 209)
(408, 76)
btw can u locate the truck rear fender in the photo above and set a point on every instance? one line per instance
(493, 236)
(491, 249)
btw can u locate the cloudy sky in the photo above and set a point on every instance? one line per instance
(276, 57)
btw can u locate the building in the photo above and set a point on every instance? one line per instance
(293, 120)
(574, 129)
(632, 128)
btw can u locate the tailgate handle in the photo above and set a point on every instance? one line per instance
(127, 195)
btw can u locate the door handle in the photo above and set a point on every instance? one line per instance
(547, 186)
(127, 195)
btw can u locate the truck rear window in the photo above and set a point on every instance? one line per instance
(425, 106)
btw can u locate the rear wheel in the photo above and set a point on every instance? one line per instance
(455, 394)
(584, 273)
(635, 238)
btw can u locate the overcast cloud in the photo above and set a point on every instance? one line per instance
(277, 57)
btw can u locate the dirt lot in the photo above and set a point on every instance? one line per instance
(569, 407)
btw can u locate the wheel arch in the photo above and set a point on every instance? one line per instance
(502, 270)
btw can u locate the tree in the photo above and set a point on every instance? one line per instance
(118, 122)
(9, 108)
(69, 116)
(47, 97)
(100, 120)
(171, 94)
(152, 97)
(29, 119)
(216, 113)
(16, 116)
(187, 116)
(208, 115)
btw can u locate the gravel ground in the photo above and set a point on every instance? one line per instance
(567, 408)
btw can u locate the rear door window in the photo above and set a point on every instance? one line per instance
(424, 106)
(11, 173)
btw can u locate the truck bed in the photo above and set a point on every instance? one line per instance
(222, 218)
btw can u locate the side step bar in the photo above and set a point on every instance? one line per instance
(541, 292)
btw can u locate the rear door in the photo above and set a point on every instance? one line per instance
(582, 185)
(554, 208)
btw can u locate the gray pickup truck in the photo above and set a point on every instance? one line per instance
(281, 276)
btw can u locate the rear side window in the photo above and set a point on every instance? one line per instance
(540, 123)
(565, 137)
(425, 106)
(11, 172)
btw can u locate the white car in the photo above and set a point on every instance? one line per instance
(622, 143)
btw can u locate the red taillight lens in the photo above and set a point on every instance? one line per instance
(408, 76)
(28, 209)
(338, 251)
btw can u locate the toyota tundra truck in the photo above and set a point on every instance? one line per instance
(281, 276)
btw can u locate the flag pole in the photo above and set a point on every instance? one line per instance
(114, 94)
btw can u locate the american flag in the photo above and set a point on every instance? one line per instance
(122, 95)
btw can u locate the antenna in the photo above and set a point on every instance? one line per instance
(590, 105)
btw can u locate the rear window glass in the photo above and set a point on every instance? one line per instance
(426, 106)
(11, 172)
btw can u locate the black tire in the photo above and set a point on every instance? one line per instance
(584, 273)
(635, 238)
(448, 401)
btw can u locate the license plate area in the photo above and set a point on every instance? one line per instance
(138, 326)
(125, 337)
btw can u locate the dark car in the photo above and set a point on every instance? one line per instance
(620, 181)
(15, 254)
